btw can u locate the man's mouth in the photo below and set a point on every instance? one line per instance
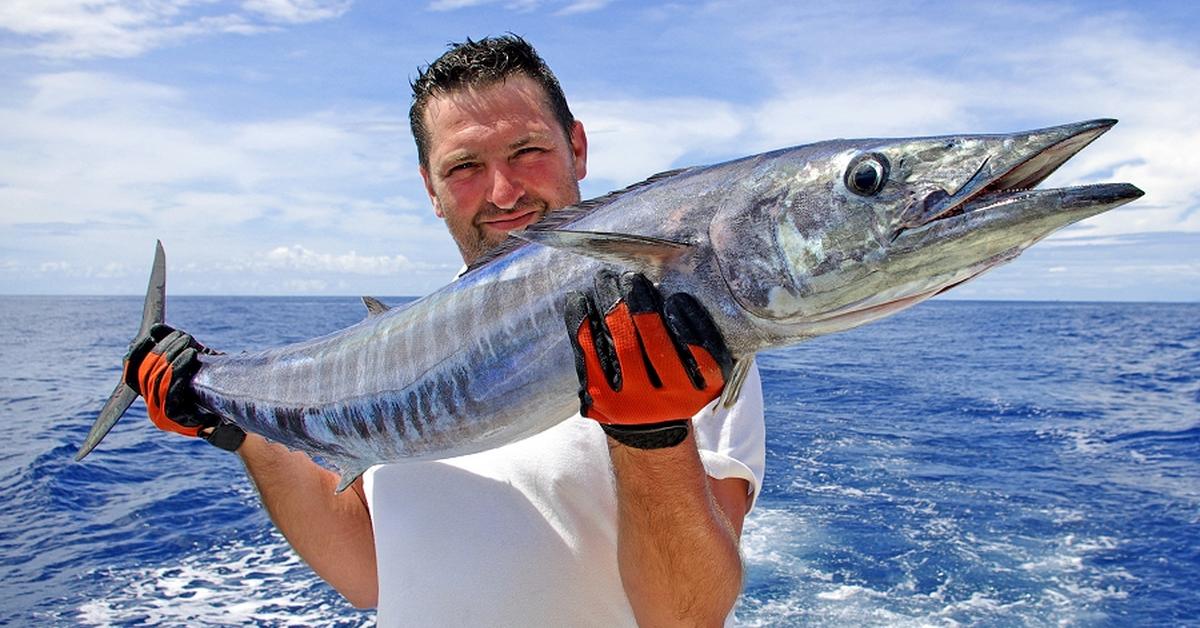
(512, 220)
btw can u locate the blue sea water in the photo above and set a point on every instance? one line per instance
(962, 463)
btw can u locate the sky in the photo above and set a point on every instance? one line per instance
(266, 142)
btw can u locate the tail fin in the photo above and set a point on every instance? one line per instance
(123, 395)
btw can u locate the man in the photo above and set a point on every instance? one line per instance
(628, 513)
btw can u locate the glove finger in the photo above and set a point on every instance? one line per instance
(606, 289)
(184, 365)
(199, 347)
(595, 360)
(691, 325)
(157, 374)
(671, 366)
(668, 361)
(152, 367)
(142, 347)
(150, 377)
(708, 368)
(158, 331)
(157, 377)
(178, 404)
(630, 356)
(575, 315)
(606, 295)
(133, 363)
(170, 346)
(168, 411)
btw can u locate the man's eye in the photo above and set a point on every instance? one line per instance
(530, 150)
(460, 168)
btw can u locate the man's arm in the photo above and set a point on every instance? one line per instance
(643, 363)
(331, 532)
(677, 536)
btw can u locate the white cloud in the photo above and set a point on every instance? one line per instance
(95, 167)
(65, 268)
(298, 11)
(583, 6)
(882, 104)
(454, 5)
(303, 286)
(297, 257)
(54, 267)
(88, 143)
(572, 7)
(629, 140)
(124, 28)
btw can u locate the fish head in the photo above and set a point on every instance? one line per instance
(837, 234)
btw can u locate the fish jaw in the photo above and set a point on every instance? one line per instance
(951, 208)
(991, 231)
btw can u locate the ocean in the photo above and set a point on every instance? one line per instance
(961, 463)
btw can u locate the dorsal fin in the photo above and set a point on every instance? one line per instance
(592, 203)
(559, 218)
(375, 307)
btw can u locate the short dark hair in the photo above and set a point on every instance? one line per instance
(479, 64)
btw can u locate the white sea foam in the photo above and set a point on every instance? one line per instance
(264, 584)
(1046, 581)
(846, 591)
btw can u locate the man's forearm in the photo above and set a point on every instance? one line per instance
(331, 532)
(678, 552)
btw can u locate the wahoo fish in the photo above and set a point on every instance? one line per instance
(780, 247)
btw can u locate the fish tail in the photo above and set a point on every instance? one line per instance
(122, 396)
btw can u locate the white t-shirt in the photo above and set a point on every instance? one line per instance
(526, 534)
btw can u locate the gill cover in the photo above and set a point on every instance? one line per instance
(773, 245)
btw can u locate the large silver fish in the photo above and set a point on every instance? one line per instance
(780, 247)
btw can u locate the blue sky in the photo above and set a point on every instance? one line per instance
(266, 141)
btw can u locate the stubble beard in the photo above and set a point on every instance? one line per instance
(483, 241)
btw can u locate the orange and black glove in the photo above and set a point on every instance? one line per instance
(645, 366)
(160, 368)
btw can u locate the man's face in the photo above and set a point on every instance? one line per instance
(499, 161)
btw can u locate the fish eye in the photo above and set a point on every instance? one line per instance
(867, 173)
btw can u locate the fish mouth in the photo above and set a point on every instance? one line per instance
(999, 180)
(1033, 169)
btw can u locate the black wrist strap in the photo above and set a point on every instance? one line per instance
(650, 436)
(226, 436)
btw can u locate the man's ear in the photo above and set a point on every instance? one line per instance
(579, 149)
(433, 199)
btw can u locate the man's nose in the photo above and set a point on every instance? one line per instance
(506, 188)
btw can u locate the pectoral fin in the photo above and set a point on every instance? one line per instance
(639, 252)
(733, 387)
(350, 476)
